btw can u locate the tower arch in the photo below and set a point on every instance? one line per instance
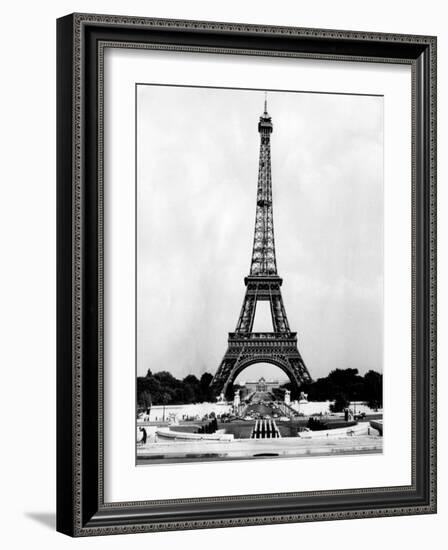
(281, 363)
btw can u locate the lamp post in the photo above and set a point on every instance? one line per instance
(165, 399)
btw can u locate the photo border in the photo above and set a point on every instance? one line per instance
(207, 87)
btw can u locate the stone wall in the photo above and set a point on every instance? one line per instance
(192, 411)
(317, 407)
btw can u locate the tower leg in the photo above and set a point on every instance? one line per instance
(221, 379)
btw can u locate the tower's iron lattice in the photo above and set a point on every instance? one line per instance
(263, 283)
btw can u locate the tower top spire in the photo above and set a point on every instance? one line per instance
(265, 124)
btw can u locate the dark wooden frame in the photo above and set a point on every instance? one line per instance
(81, 509)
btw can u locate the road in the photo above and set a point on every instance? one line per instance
(262, 403)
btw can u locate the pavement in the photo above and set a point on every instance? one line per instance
(258, 448)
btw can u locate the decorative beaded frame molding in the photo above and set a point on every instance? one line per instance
(81, 510)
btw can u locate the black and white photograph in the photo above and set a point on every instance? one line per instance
(222, 240)
(259, 273)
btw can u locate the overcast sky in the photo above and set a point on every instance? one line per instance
(197, 167)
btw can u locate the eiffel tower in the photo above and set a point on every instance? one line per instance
(263, 283)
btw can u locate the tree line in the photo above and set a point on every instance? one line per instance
(343, 386)
(162, 388)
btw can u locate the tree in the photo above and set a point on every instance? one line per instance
(340, 403)
(192, 389)
(206, 391)
(373, 383)
(166, 398)
(295, 393)
(347, 382)
(184, 394)
(148, 392)
(316, 424)
(231, 390)
(144, 400)
(166, 379)
(189, 390)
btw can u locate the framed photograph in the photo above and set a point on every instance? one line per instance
(246, 274)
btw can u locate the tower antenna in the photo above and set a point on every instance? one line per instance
(265, 102)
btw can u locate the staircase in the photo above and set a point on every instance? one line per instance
(287, 410)
(265, 429)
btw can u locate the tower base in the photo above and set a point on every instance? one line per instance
(245, 349)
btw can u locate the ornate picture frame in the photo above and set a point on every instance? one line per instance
(81, 506)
